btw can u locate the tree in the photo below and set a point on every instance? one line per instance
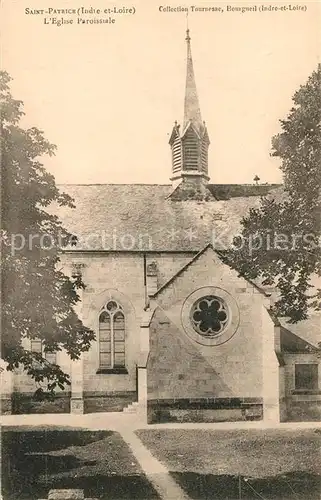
(280, 240)
(256, 179)
(38, 300)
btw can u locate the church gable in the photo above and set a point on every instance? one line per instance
(206, 268)
(220, 315)
(208, 328)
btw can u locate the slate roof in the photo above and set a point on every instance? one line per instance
(308, 330)
(142, 217)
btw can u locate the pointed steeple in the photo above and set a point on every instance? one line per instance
(190, 143)
(192, 110)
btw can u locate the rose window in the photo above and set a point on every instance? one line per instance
(209, 316)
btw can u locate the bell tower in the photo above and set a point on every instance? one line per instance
(190, 142)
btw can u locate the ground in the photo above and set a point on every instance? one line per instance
(100, 462)
(278, 464)
(269, 464)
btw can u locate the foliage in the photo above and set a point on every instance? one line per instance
(38, 299)
(280, 240)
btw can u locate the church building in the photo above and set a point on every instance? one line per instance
(180, 336)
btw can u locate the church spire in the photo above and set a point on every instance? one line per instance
(192, 110)
(190, 143)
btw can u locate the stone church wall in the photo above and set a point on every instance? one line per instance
(301, 405)
(24, 387)
(237, 363)
(182, 368)
(106, 275)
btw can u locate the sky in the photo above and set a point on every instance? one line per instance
(108, 94)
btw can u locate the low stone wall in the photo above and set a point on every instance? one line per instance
(6, 406)
(94, 402)
(204, 410)
(303, 411)
(102, 402)
(26, 404)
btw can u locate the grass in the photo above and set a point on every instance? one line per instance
(271, 464)
(100, 462)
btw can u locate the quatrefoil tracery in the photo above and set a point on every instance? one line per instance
(209, 316)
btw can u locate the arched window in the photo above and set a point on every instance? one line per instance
(36, 345)
(112, 336)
